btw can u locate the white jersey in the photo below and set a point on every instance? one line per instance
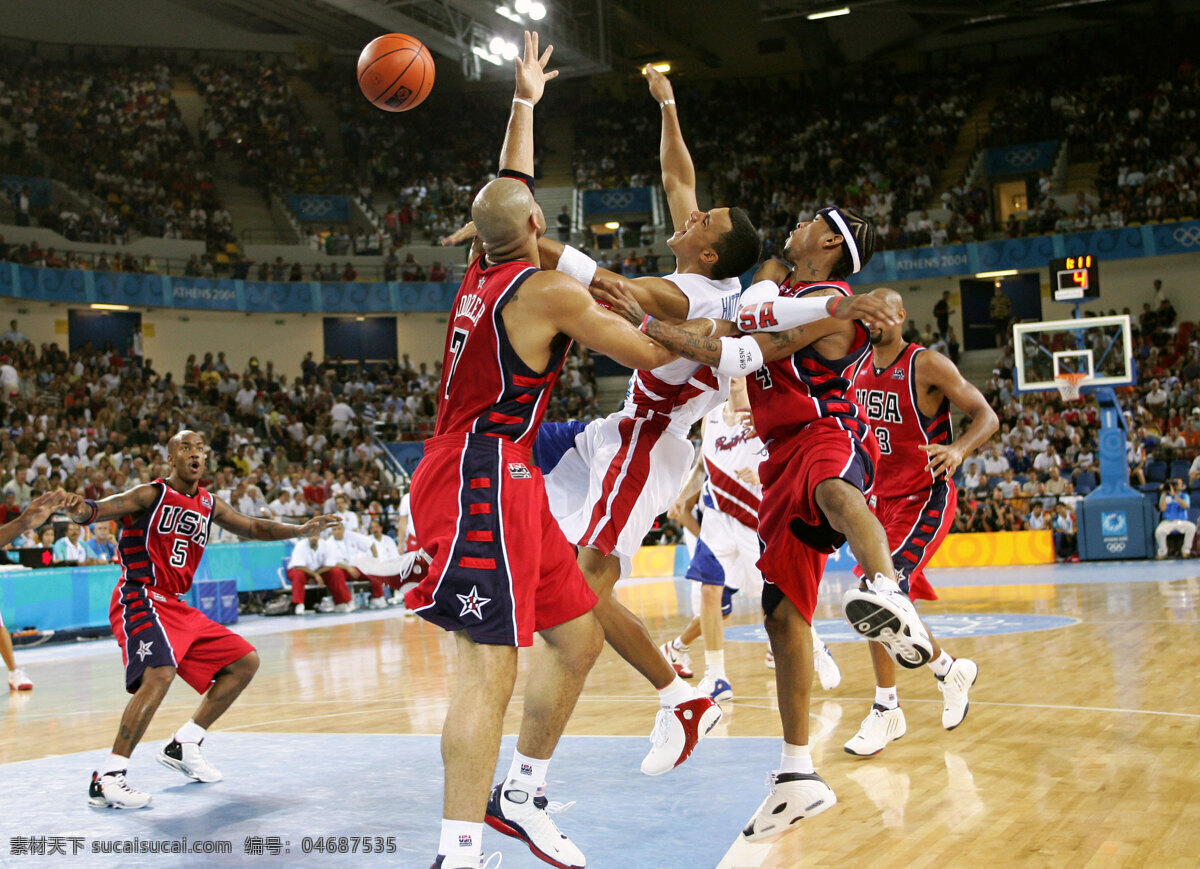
(684, 390)
(726, 450)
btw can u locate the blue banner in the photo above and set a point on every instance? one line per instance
(1016, 159)
(319, 208)
(621, 200)
(39, 189)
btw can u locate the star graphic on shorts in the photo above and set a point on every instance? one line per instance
(144, 650)
(473, 603)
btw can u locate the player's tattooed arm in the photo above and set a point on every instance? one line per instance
(266, 529)
(135, 500)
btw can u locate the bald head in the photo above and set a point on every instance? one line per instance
(889, 335)
(506, 217)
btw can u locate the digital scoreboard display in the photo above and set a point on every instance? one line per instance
(1075, 278)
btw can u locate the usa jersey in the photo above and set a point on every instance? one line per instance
(889, 396)
(727, 449)
(791, 393)
(682, 391)
(495, 392)
(163, 547)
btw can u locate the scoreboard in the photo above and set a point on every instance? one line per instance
(1075, 278)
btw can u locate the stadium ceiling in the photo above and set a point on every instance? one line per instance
(458, 29)
(948, 15)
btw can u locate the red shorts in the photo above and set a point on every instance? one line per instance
(791, 526)
(159, 630)
(916, 525)
(502, 569)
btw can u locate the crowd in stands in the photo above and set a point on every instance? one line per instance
(1044, 459)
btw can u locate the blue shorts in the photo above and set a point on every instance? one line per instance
(553, 441)
(707, 570)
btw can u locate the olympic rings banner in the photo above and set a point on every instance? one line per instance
(316, 208)
(620, 200)
(87, 287)
(1016, 159)
(1032, 253)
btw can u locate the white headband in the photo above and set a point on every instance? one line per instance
(844, 228)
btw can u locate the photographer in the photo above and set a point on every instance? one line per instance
(1173, 503)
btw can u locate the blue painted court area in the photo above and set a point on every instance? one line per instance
(281, 788)
(974, 625)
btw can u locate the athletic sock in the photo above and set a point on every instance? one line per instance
(678, 645)
(190, 732)
(888, 698)
(677, 692)
(884, 584)
(796, 758)
(527, 773)
(461, 841)
(116, 763)
(714, 664)
(941, 666)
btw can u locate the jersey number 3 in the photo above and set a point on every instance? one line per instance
(458, 339)
(885, 440)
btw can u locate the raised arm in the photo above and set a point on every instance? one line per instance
(135, 500)
(516, 155)
(35, 515)
(658, 297)
(678, 173)
(936, 371)
(266, 529)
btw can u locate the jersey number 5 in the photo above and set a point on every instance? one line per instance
(179, 552)
(458, 340)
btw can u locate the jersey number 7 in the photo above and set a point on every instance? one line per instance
(458, 339)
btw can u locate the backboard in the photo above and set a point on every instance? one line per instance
(1100, 347)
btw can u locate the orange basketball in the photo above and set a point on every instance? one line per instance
(395, 72)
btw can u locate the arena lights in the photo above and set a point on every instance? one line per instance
(537, 11)
(505, 12)
(100, 306)
(661, 66)
(828, 13)
(485, 54)
(499, 47)
(1007, 273)
(612, 224)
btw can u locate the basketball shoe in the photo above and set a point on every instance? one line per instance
(484, 863)
(676, 732)
(111, 791)
(827, 668)
(716, 687)
(378, 603)
(523, 816)
(18, 681)
(770, 660)
(406, 571)
(794, 796)
(954, 687)
(883, 612)
(187, 758)
(877, 730)
(681, 661)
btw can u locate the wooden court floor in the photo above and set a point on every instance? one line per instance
(1082, 746)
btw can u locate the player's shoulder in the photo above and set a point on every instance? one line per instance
(797, 289)
(691, 282)
(931, 366)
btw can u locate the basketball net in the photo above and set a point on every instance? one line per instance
(1068, 384)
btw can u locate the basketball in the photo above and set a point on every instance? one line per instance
(395, 72)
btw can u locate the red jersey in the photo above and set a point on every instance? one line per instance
(495, 392)
(889, 396)
(164, 546)
(791, 393)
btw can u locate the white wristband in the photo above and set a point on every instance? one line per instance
(523, 102)
(781, 314)
(666, 103)
(740, 356)
(577, 264)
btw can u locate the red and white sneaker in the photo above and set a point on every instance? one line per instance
(681, 661)
(18, 681)
(677, 730)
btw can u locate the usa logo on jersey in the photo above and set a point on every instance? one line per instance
(897, 374)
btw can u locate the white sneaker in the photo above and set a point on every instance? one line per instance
(770, 661)
(677, 731)
(954, 687)
(681, 661)
(378, 603)
(187, 758)
(523, 816)
(347, 607)
(325, 606)
(18, 681)
(794, 796)
(410, 568)
(299, 609)
(882, 612)
(827, 668)
(111, 791)
(877, 730)
(716, 687)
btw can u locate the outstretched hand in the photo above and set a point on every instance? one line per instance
(43, 507)
(463, 233)
(320, 523)
(531, 69)
(660, 85)
(871, 309)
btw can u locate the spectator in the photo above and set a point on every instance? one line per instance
(1064, 534)
(1000, 310)
(68, 550)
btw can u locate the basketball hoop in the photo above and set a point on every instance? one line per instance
(1068, 383)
